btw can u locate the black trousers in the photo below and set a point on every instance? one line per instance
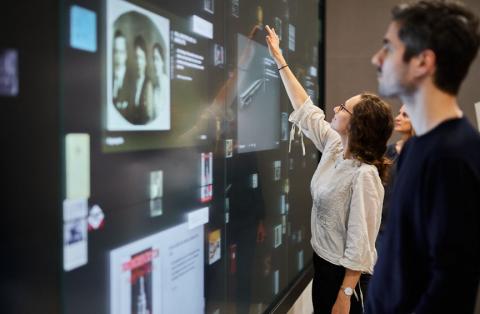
(327, 280)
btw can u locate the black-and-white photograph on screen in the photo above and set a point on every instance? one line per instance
(236, 8)
(206, 169)
(258, 100)
(218, 55)
(291, 37)
(156, 193)
(278, 27)
(8, 72)
(138, 63)
(208, 5)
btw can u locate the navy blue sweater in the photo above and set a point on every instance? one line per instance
(429, 256)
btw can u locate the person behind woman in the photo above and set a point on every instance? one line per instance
(405, 128)
(346, 187)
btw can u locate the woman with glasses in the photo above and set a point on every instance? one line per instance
(346, 187)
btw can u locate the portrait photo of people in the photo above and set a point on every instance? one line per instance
(138, 82)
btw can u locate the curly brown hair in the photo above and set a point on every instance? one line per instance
(371, 126)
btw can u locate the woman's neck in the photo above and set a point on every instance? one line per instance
(404, 137)
(346, 149)
(399, 144)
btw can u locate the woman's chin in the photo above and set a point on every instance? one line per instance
(333, 125)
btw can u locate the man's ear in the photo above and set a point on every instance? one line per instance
(424, 63)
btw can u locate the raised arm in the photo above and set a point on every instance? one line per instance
(295, 91)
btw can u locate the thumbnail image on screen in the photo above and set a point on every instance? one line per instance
(153, 274)
(258, 98)
(8, 72)
(138, 83)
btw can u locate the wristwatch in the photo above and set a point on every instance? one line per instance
(347, 290)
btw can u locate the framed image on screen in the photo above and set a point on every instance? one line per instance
(137, 71)
(258, 98)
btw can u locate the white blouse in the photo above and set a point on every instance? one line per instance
(347, 197)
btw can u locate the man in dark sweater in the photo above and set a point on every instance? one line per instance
(429, 257)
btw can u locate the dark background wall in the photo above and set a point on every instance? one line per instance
(30, 233)
(354, 32)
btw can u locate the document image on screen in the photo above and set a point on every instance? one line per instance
(138, 69)
(154, 274)
(258, 98)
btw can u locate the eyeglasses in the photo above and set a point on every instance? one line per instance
(342, 107)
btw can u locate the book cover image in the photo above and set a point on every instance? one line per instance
(136, 278)
(214, 246)
(153, 274)
(141, 281)
(206, 169)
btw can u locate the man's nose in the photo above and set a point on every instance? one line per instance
(376, 59)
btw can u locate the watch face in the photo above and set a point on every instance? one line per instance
(348, 291)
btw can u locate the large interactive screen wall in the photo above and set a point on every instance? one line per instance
(180, 193)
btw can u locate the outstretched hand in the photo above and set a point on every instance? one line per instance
(273, 43)
(296, 93)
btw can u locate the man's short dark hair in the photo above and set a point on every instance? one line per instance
(140, 43)
(447, 28)
(118, 34)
